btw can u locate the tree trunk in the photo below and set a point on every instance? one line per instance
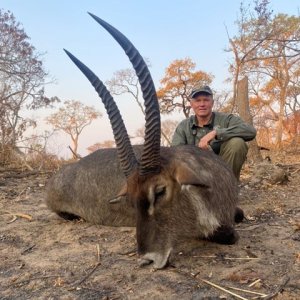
(242, 102)
(280, 121)
(75, 146)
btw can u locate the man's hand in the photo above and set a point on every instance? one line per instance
(204, 142)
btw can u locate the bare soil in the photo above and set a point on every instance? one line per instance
(46, 257)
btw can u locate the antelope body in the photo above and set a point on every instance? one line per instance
(167, 193)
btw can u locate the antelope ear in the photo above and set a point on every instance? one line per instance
(184, 175)
(122, 193)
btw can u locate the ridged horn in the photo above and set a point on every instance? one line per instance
(126, 155)
(150, 159)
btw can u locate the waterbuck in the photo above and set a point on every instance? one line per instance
(168, 193)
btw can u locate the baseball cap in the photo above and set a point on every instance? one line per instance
(202, 89)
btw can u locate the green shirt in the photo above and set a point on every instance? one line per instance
(227, 126)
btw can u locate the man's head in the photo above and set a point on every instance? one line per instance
(202, 102)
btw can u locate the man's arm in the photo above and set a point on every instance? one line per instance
(236, 127)
(179, 137)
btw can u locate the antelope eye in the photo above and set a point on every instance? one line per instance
(159, 192)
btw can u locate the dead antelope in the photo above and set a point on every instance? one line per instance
(167, 193)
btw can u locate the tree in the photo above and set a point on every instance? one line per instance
(266, 50)
(177, 84)
(126, 82)
(242, 102)
(292, 121)
(72, 118)
(168, 126)
(252, 33)
(22, 80)
(281, 70)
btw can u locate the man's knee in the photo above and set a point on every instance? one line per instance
(234, 153)
(235, 145)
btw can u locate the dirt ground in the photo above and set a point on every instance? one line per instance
(45, 257)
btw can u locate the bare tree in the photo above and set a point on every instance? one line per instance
(72, 118)
(253, 31)
(168, 126)
(126, 82)
(22, 80)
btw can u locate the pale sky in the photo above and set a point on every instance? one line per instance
(161, 30)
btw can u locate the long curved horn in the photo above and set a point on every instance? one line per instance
(125, 151)
(150, 159)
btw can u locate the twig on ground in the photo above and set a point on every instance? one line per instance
(195, 274)
(228, 258)
(98, 253)
(21, 175)
(24, 216)
(27, 249)
(247, 291)
(241, 258)
(19, 195)
(251, 227)
(76, 284)
(87, 275)
(20, 215)
(14, 218)
(192, 275)
(254, 282)
(294, 172)
(223, 289)
(279, 289)
(205, 256)
(35, 278)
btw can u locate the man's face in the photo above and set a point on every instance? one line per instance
(202, 105)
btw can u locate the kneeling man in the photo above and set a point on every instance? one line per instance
(225, 134)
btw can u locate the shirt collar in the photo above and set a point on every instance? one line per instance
(194, 121)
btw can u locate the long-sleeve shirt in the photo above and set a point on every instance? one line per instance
(227, 126)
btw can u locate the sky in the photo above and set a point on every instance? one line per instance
(161, 30)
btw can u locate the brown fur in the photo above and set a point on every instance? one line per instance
(194, 195)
